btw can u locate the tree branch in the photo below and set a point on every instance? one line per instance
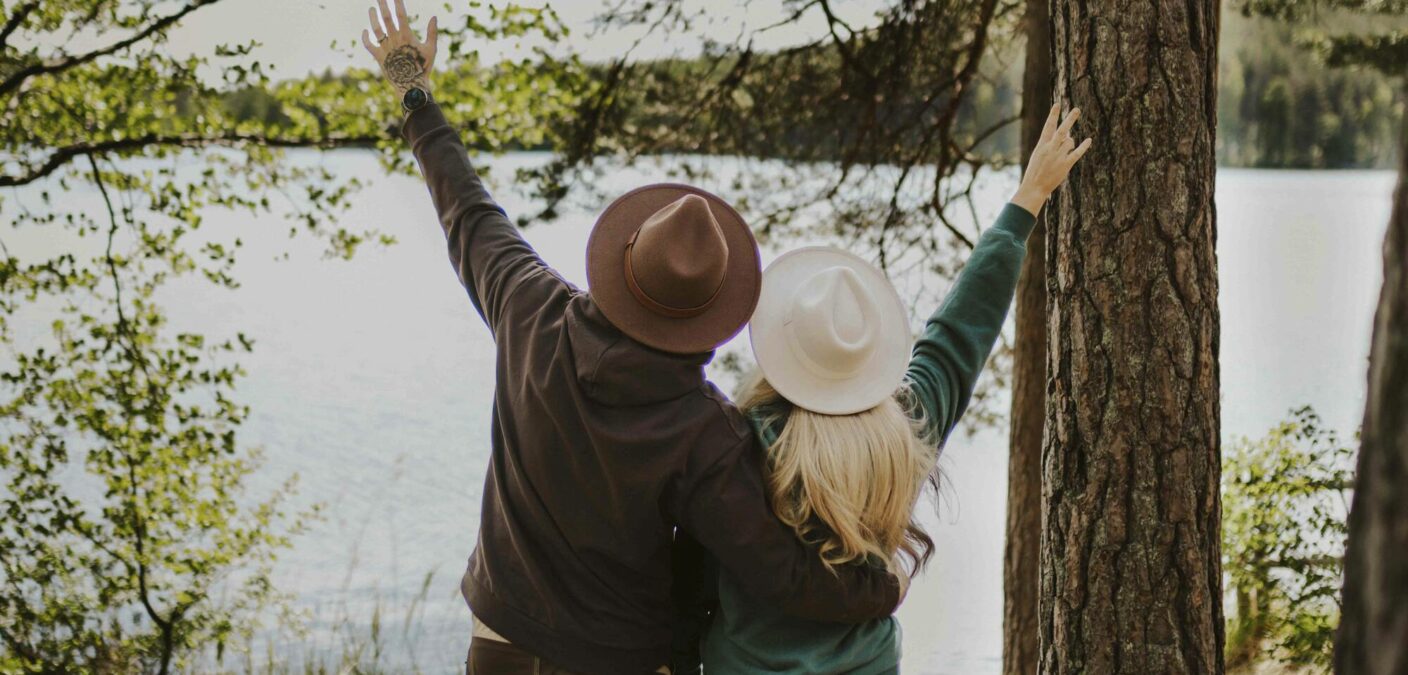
(843, 47)
(164, 623)
(987, 133)
(18, 77)
(792, 18)
(64, 154)
(16, 19)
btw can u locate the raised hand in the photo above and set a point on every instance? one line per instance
(404, 59)
(1051, 160)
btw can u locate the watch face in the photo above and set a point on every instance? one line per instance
(414, 99)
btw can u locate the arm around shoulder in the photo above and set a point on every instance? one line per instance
(726, 509)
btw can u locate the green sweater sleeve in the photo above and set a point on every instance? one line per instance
(960, 335)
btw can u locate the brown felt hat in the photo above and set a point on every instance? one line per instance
(674, 267)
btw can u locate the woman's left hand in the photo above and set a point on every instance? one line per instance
(1051, 161)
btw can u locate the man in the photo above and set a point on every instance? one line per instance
(606, 436)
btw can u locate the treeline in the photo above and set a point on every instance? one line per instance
(1279, 106)
(274, 113)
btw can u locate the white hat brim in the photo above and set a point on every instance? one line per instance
(785, 370)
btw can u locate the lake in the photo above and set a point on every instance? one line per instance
(372, 379)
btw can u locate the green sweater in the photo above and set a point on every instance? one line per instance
(745, 636)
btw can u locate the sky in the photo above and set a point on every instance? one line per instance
(296, 35)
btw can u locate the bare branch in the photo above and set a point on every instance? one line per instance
(842, 46)
(987, 133)
(790, 19)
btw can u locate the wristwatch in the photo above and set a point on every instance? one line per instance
(414, 99)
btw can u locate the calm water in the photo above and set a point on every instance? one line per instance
(372, 379)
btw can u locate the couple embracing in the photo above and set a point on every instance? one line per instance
(637, 520)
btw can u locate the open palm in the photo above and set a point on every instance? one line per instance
(1051, 161)
(404, 59)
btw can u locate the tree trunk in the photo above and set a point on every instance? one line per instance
(1373, 632)
(1019, 573)
(1130, 570)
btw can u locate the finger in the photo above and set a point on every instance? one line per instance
(386, 17)
(376, 25)
(367, 42)
(402, 23)
(1065, 128)
(1050, 127)
(430, 35)
(1079, 151)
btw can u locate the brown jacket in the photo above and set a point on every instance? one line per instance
(601, 447)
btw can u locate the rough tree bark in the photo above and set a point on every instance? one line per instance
(1373, 632)
(1019, 574)
(1130, 572)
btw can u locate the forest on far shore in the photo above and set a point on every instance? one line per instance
(1279, 104)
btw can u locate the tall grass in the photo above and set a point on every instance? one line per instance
(345, 644)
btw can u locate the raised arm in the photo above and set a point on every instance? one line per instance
(488, 253)
(960, 335)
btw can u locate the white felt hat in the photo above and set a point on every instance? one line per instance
(830, 333)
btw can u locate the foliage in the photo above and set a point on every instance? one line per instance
(1284, 503)
(1281, 106)
(131, 541)
(1381, 41)
(864, 118)
(162, 521)
(1355, 36)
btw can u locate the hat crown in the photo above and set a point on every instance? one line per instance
(832, 323)
(679, 257)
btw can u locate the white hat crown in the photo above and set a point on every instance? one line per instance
(830, 333)
(832, 324)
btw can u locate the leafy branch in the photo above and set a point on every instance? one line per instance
(58, 65)
(60, 156)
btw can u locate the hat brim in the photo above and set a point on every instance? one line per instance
(784, 369)
(731, 308)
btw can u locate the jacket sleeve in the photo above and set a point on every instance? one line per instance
(487, 251)
(726, 511)
(960, 335)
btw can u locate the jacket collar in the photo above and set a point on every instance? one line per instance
(616, 370)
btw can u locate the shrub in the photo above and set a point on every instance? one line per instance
(1284, 502)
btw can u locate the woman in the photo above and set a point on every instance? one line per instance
(852, 423)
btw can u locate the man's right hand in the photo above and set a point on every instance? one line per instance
(404, 59)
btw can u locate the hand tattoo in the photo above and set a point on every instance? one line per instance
(405, 69)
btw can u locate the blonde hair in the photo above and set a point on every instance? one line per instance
(848, 483)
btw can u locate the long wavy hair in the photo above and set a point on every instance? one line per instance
(848, 484)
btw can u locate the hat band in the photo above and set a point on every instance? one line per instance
(651, 303)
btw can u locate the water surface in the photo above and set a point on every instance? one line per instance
(373, 378)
